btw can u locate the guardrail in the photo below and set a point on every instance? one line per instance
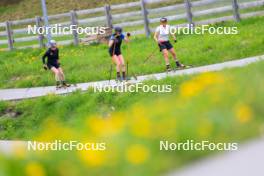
(140, 14)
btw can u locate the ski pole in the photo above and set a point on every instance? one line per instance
(111, 70)
(129, 57)
(150, 56)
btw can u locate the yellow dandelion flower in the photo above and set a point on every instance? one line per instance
(106, 126)
(34, 168)
(20, 150)
(93, 158)
(243, 113)
(141, 127)
(210, 78)
(198, 84)
(54, 130)
(137, 154)
(190, 89)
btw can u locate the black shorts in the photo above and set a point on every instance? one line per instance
(165, 45)
(117, 52)
(50, 65)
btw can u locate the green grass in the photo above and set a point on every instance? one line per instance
(223, 106)
(23, 68)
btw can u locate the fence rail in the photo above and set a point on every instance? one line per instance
(108, 18)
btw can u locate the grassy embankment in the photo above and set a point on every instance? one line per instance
(221, 106)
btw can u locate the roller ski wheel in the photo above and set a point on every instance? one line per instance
(119, 80)
(58, 87)
(135, 77)
(66, 85)
(183, 67)
(168, 70)
(63, 86)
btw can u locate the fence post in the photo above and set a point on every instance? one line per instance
(74, 22)
(109, 19)
(145, 17)
(188, 7)
(9, 35)
(40, 36)
(236, 10)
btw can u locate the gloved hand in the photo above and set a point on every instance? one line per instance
(45, 67)
(117, 35)
(175, 40)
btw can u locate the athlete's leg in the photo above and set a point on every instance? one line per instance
(57, 75)
(173, 53)
(123, 65)
(166, 57)
(122, 62)
(62, 77)
(118, 64)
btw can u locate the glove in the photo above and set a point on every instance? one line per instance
(45, 67)
(116, 35)
(175, 41)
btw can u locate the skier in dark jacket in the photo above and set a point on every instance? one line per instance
(53, 64)
(115, 44)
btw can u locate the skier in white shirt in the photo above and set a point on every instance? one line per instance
(161, 36)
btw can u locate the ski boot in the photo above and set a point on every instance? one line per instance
(64, 84)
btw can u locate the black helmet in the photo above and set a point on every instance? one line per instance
(118, 29)
(163, 19)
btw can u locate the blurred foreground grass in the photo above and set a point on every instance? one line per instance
(224, 106)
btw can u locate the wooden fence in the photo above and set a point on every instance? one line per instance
(144, 13)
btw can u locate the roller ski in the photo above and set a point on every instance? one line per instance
(133, 76)
(182, 67)
(168, 69)
(130, 78)
(62, 85)
(119, 80)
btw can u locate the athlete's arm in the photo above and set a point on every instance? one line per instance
(173, 36)
(58, 57)
(126, 38)
(156, 35)
(43, 60)
(44, 57)
(110, 44)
